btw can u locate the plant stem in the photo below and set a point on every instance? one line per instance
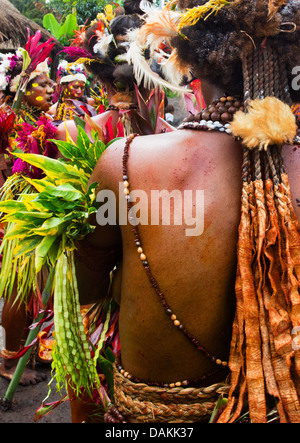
(31, 336)
(19, 95)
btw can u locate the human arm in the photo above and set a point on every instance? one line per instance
(100, 252)
(95, 258)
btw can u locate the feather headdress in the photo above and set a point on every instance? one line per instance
(141, 67)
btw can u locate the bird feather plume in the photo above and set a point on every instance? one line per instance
(141, 68)
(160, 26)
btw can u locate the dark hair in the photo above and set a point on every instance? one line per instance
(216, 46)
(106, 69)
(133, 6)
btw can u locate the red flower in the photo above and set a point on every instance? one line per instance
(7, 120)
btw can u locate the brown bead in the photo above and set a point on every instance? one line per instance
(215, 116)
(212, 109)
(206, 115)
(231, 110)
(228, 104)
(222, 109)
(225, 117)
(237, 104)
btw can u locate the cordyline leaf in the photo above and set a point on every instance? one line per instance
(23, 216)
(38, 52)
(42, 251)
(51, 167)
(54, 206)
(52, 226)
(27, 245)
(18, 233)
(66, 192)
(10, 206)
(46, 408)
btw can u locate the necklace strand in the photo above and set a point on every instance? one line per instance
(173, 317)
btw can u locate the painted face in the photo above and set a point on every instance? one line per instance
(39, 93)
(74, 90)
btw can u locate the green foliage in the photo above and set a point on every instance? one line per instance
(62, 32)
(29, 9)
(44, 222)
(51, 214)
(87, 10)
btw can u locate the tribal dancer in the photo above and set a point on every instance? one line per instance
(30, 133)
(181, 289)
(71, 84)
(104, 52)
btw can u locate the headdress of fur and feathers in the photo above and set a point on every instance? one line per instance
(154, 37)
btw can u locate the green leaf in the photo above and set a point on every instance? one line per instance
(9, 206)
(52, 226)
(42, 251)
(219, 408)
(50, 23)
(27, 245)
(23, 216)
(107, 370)
(83, 141)
(69, 26)
(26, 59)
(66, 192)
(50, 166)
(68, 150)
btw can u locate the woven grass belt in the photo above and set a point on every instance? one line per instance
(152, 404)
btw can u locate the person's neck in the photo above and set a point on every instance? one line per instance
(211, 92)
(31, 111)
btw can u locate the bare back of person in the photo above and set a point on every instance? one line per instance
(195, 273)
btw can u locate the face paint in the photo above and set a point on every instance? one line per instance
(39, 94)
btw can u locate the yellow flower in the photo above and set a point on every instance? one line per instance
(109, 12)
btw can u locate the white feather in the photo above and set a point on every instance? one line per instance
(102, 45)
(142, 71)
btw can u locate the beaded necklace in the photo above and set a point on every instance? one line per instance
(216, 117)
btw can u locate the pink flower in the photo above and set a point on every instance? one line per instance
(35, 139)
